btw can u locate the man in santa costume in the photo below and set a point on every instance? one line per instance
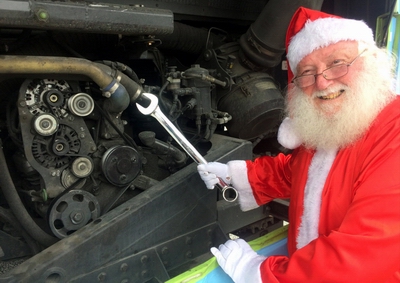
(343, 175)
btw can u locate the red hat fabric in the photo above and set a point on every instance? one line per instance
(310, 30)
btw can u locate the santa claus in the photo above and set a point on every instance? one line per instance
(343, 175)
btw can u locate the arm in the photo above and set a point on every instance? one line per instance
(365, 245)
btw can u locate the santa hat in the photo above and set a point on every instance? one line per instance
(310, 30)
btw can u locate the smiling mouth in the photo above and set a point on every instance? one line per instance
(332, 95)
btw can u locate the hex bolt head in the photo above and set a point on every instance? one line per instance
(123, 267)
(102, 276)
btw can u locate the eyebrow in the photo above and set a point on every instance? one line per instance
(328, 60)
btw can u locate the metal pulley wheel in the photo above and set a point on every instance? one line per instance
(121, 164)
(81, 104)
(45, 124)
(71, 211)
(82, 167)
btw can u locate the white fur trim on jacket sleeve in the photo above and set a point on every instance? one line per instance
(286, 136)
(240, 181)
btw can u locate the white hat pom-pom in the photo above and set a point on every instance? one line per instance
(286, 135)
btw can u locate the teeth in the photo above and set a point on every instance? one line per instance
(332, 95)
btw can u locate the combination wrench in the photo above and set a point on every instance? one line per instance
(229, 193)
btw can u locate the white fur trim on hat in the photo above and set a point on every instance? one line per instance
(286, 135)
(323, 32)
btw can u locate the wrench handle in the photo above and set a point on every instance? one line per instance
(229, 193)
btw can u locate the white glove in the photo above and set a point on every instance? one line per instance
(239, 261)
(210, 172)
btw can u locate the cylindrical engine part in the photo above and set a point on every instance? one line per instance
(256, 106)
(81, 104)
(264, 42)
(121, 164)
(45, 124)
(194, 78)
(82, 167)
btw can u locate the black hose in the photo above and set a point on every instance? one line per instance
(8, 217)
(17, 207)
(264, 42)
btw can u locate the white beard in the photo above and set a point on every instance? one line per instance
(329, 128)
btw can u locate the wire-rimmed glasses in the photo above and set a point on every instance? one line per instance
(330, 73)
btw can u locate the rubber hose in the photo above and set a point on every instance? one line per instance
(8, 217)
(17, 207)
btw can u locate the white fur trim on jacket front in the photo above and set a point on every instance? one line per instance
(240, 181)
(318, 171)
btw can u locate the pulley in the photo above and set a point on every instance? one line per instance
(45, 124)
(71, 211)
(82, 167)
(81, 104)
(121, 165)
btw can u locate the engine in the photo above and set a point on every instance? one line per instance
(75, 145)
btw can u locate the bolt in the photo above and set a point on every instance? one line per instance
(42, 15)
(102, 276)
(145, 273)
(144, 259)
(76, 217)
(164, 250)
(81, 104)
(124, 267)
(189, 254)
(53, 98)
(45, 124)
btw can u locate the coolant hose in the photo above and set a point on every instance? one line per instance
(133, 89)
(17, 207)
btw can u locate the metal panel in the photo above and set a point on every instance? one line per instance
(219, 9)
(171, 214)
(86, 17)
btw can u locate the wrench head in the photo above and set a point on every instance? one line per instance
(153, 104)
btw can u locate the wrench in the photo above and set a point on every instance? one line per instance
(229, 193)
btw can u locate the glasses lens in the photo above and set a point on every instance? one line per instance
(335, 72)
(304, 81)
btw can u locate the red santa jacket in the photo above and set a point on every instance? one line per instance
(359, 223)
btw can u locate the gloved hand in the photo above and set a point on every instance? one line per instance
(239, 261)
(210, 172)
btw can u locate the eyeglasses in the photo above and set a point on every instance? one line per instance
(330, 73)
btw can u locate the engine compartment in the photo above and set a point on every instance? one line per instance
(78, 158)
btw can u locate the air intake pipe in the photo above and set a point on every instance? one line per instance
(264, 42)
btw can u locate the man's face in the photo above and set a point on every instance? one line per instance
(335, 113)
(329, 95)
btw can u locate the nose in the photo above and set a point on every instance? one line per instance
(321, 83)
